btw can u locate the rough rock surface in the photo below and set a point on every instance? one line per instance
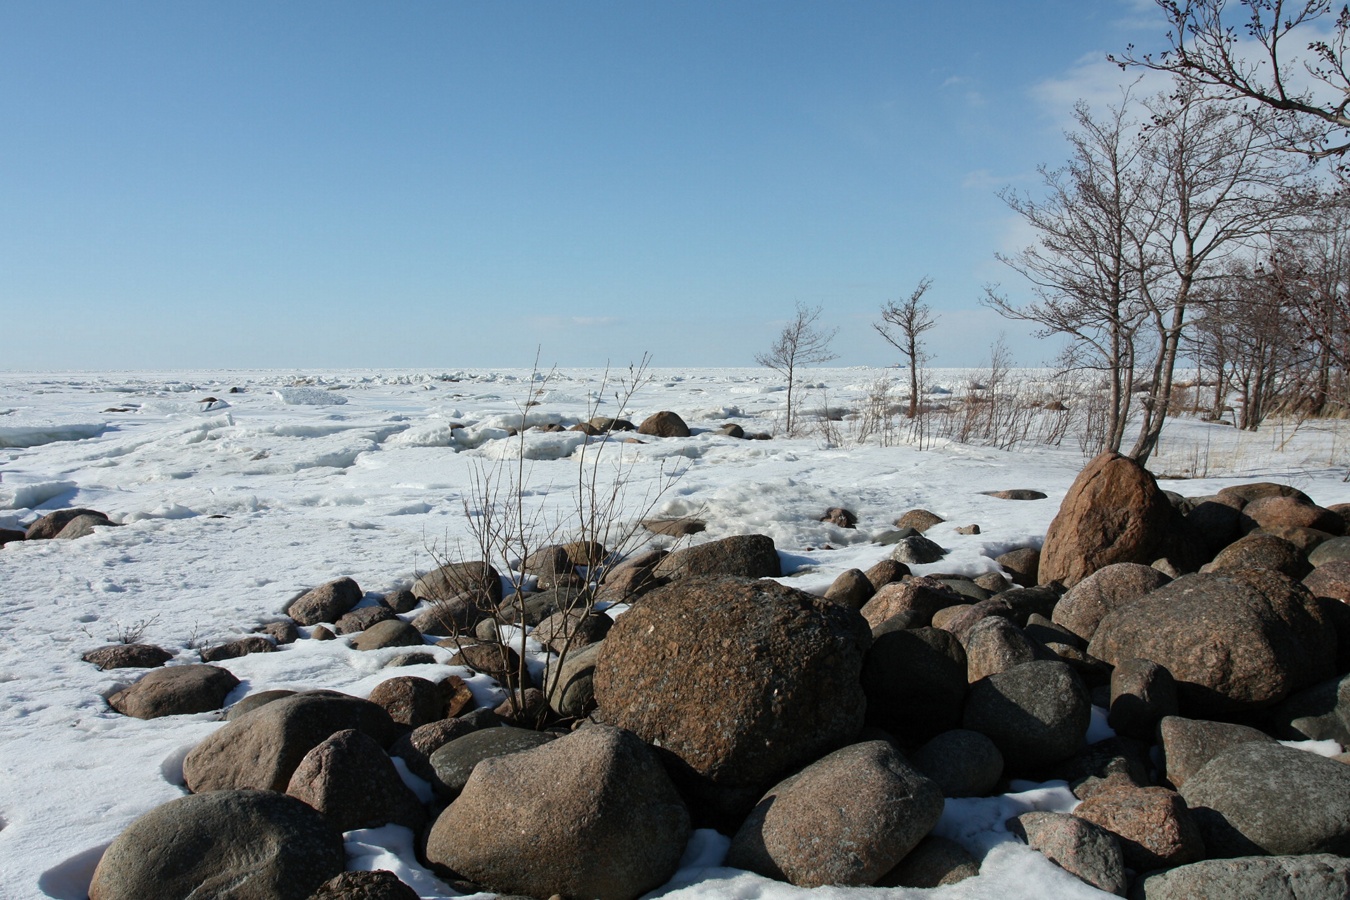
(1319, 876)
(1189, 744)
(1231, 643)
(262, 748)
(1114, 512)
(1259, 798)
(360, 885)
(1084, 606)
(175, 691)
(592, 814)
(128, 656)
(744, 555)
(666, 670)
(664, 424)
(325, 603)
(453, 762)
(1036, 714)
(1153, 824)
(1077, 846)
(848, 818)
(915, 683)
(961, 763)
(351, 781)
(249, 845)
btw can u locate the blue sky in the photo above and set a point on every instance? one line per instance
(450, 184)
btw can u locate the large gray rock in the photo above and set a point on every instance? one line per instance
(592, 814)
(570, 682)
(453, 762)
(244, 845)
(1320, 876)
(961, 763)
(743, 555)
(1189, 744)
(175, 691)
(1036, 714)
(848, 818)
(325, 603)
(736, 682)
(1259, 798)
(262, 748)
(1232, 642)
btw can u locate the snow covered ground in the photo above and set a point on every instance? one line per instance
(232, 502)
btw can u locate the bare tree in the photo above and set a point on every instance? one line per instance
(801, 343)
(902, 325)
(1216, 190)
(1306, 84)
(1092, 255)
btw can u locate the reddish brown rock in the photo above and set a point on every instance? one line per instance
(1153, 824)
(1267, 512)
(1110, 588)
(737, 682)
(1330, 580)
(350, 780)
(923, 595)
(664, 424)
(1114, 512)
(175, 691)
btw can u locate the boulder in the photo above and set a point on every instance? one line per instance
(1114, 512)
(1036, 714)
(570, 686)
(1271, 512)
(1331, 579)
(361, 618)
(1258, 798)
(743, 555)
(1337, 548)
(477, 579)
(255, 700)
(919, 519)
(1189, 744)
(1231, 643)
(994, 644)
(852, 589)
(325, 603)
(128, 656)
(243, 646)
(1153, 825)
(175, 691)
(1259, 550)
(1239, 495)
(349, 779)
(50, 525)
(1142, 693)
(915, 683)
(917, 550)
(736, 682)
(82, 526)
(935, 862)
(961, 763)
(1023, 565)
(388, 633)
(262, 748)
(415, 747)
(924, 595)
(1084, 605)
(571, 629)
(840, 517)
(592, 814)
(885, 572)
(453, 762)
(1084, 850)
(846, 819)
(664, 424)
(240, 844)
(410, 701)
(361, 885)
(1320, 876)
(1318, 713)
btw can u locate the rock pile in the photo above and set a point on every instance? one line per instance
(820, 733)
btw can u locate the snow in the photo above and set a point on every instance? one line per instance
(225, 514)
